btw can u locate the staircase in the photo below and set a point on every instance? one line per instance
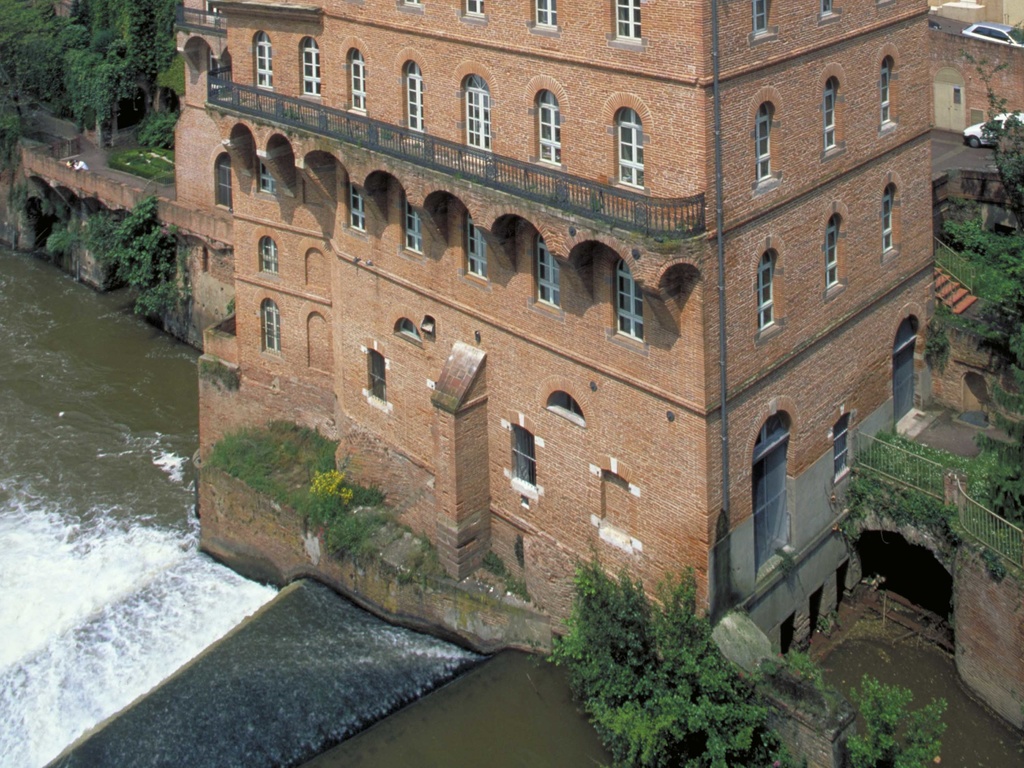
(951, 293)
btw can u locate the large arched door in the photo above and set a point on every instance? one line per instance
(903, 368)
(949, 95)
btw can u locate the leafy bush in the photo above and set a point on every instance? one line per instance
(653, 682)
(157, 130)
(895, 737)
(155, 164)
(867, 493)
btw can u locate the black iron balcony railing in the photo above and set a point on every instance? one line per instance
(656, 217)
(201, 21)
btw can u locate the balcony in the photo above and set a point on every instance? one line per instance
(201, 21)
(658, 218)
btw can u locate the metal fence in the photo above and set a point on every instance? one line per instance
(955, 265)
(200, 20)
(900, 465)
(657, 217)
(990, 529)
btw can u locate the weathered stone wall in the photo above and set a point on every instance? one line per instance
(967, 356)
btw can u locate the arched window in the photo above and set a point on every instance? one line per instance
(828, 111)
(406, 327)
(377, 372)
(763, 140)
(884, 93)
(771, 518)
(524, 456)
(547, 271)
(840, 446)
(310, 67)
(766, 291)
(629, 305)
(565, 405)
(631, 147)
(357, 80)
(476, 250)
(268, 255)
(264, 61)
(549, 128)
(271, 318)
(478, 113)
(832, 250)
(888, 203)
(222, 179)
(414, 97)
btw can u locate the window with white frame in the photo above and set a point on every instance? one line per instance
(377, 375)
(547, 13)
(474, 7)
(888, 201)
(630, 133)
(524, 455)
(357, 80)
(766, 291)
(628, 19)
(565, 405)
(840, 446)
(310, 67)
(760, 12)
(826, 7)
(356, 208)
(763, 140)
(413, 228)
(271, 318)
(478, 113)
(771, 516)
(629, 305)
(264, 61)
(549, 128)
(268, 255)
(414, 97)
(268, 184)
(476, 250)
(828, 112)
(406, 327)
(548, 289)
(884, 92)
(832, 251)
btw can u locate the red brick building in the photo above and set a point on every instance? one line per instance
(478, 242)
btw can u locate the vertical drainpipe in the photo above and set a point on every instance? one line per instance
(720, 242)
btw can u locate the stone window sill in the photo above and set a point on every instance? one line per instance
(543, 30)
(769, 35)
(833, 17)
(769, 332)
(891, 255)
(767, 185)
(628, 342)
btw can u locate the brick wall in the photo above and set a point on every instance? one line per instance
(1003, 65)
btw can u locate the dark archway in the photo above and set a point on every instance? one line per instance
(910, 570)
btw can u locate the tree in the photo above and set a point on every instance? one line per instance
(895, 737)
(653, 682)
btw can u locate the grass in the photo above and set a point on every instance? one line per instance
(153, 164)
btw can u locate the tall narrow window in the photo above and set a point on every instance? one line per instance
(547, 13)
(476, 250)
(222, 177)
(264, 61)
(629, 305)
(884, 94)
(548, 290)
(310, 67)
(524, 457)
(888, 200)
(377, 375)
(475, 7)
(832, 251)
(357, 80)
(840, 448)
(414, 97)
(631, 147)
(267, 183)
(826, 7)
(356, 208)
(771, 518)
(478, 113)
(271, 317)
(549, 132)
(760, 11)
(268, 255)
(413, 228)
(828, 111)
(766, 291)
(762, 141)
(628, 19)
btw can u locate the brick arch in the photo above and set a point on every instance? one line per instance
(315, 268)
(618, 101)
(910, 309)
(318, 328)
(555, 240)
(350, 42)
(512, 417)
(832, 69)
(675, 264)
(406, 55)
(835, 206)
(892, 177)
(196, 53)
(258, 234)
(614, 466)
(766, 93)
(888, 49)
(547, 83)
(780, 404)
(552, 384)
(772, 244)
(472, 67)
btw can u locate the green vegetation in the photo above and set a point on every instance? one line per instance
(154, 164)
(295, 466)
(868, 493)
(894, 736)
(654, 683)
(495, 565)
(157, 130)
(224, 377)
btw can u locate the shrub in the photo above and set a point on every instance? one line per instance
(157, 130)
(895, 737)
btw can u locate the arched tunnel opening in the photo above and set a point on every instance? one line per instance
(909, 570)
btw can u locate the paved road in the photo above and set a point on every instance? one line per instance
(949, 151)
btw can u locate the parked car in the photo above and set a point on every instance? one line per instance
(980, 135)
(996, 33)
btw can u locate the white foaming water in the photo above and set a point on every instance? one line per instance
(122, 606)
(173, 465)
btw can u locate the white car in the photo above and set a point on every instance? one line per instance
(978, 135)
(995, 33)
